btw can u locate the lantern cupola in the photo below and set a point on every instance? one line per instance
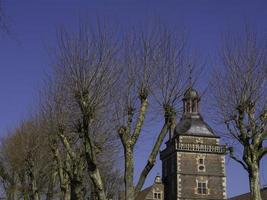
(191, 101)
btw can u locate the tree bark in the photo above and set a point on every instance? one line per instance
(129, 173)
(11, 194)
(92, 167)
(51, 185)
(63, 180)
(34, 194)
(76, 190)
(254, 182)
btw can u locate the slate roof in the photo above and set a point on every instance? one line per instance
(193, 125)
(247, 195)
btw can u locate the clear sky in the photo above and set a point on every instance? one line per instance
(24, 57)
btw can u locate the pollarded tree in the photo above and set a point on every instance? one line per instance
(85, 70)
(154, 63)
(239, 90)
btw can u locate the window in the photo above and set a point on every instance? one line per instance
(157, 195)
(202, 187)
(188, 107)
(194, 106)
(201, 164)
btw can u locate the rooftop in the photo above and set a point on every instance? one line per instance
(247, 195)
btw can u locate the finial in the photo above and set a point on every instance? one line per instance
(190, 75)
(157, 178)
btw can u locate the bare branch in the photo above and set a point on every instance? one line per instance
(152, 158)
(244, 165)
(140, 121)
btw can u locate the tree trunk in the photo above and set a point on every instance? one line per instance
(64, 188)
(152, 159)
(254, 182)
(34, 194)
(98, 184)
(92, 167)
(50, 190)
(76, 190)
(129, 173)
(11, 194)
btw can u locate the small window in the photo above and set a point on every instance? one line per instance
(201, 168)
(201, 164)
(157, 195)
(202, 187)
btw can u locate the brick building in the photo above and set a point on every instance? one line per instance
(193, 162)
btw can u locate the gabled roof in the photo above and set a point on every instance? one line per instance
(247, 195)
(147, 193)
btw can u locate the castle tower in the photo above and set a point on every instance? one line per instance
(193, 162)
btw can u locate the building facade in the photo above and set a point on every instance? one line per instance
(193, 162)
(155, 191)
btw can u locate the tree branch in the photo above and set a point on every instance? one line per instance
(4, 175)
(123, 135)
(60, 169)
(89, 153)
(262, 152)
(66, 145)
(152, 158)
(140, 121)
(237, 159)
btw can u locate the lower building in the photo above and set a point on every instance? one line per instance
(155, 191)
(247, 195)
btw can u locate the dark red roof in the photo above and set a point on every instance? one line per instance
(247, 195)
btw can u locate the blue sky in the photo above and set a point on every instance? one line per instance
(24, 57)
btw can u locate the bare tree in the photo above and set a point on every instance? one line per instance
(85, 70)
(26, 161)
(239, 91)
(154, 66)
